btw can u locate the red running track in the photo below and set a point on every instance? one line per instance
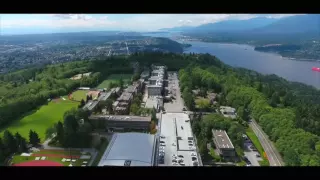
(39, 163)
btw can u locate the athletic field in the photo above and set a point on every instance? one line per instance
(114, 78)
(52, 158)
(43, 118)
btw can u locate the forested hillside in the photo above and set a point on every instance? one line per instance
(286, 111)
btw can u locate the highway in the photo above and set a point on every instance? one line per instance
(272, 153)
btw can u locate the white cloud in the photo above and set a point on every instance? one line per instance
(147, 22)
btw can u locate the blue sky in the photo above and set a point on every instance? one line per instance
(50, 23)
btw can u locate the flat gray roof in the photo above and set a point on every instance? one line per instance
(104, 96)
(133, 149)
(125, 96)
(90, 105)
(222, 139)
(170, 127)
(120, 118)
(156, 78)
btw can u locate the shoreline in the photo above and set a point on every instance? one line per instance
(253, 46)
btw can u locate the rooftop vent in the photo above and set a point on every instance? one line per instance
(127, 163)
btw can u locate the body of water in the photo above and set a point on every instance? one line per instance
(245, 56)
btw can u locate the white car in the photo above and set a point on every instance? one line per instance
(162, 144)
(174, 155)
(193, 154)
(182, 163)
(174, 163)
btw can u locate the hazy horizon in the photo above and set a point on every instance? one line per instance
(19, 24)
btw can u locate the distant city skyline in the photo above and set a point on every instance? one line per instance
(54, 23)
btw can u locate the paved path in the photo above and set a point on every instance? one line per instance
(272, 153)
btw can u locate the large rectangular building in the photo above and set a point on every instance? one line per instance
(223, 143)
(120, 123)
(130, 149)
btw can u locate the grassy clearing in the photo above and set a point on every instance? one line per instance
(102, 148)
(79, 94)
(114, 78)
(257, 144)
(202, 102)
(20, 159)
(41, 119)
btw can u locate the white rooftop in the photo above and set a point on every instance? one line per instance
(171, 128)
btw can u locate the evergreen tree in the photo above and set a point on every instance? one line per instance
(9, 141)
(60, 133)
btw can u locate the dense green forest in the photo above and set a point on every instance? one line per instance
(286, 111)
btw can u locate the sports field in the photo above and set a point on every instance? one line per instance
(52, 158)
(42, 118)
(114, 78)
(79, 94)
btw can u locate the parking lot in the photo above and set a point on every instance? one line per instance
(173, 85)
(251, 154)
(176, 141)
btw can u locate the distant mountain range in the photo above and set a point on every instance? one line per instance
(261, 25)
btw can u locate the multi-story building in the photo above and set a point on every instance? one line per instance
(120, 123)
(223, 144)
(156, 81)
(122, 105)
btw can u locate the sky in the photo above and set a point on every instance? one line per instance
(52, 23)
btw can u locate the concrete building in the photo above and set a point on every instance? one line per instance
(229, 112)
(130, 149)
(123, 103)
(120, 123)
(145, 75)
(91, 105)
(223, 144)
(154, 90)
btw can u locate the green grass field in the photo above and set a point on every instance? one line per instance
(20, 159)
(114, 78)
(79, 94)
(41, 119)
(257, 144)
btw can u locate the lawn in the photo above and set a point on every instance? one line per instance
(257, 144)
(79, 94)
(19, 159)
(40, 120)
(202, 103)
(114, 78)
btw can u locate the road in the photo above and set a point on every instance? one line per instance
(272, 154)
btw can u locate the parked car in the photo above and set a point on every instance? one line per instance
(182, 163)
(180, 156)
(193, 158)
(258, 155)
(162, 144)
(193, 154)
